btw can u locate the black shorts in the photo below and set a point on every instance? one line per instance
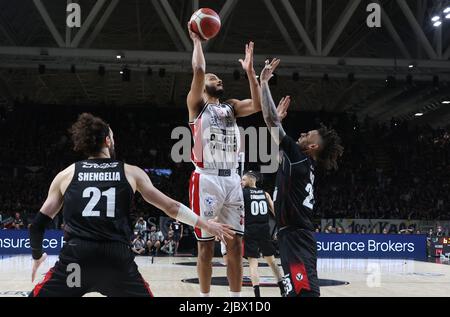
(298, 253)
(176, 236)
(257, 240)
(104, 267)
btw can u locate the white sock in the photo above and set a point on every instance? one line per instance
(234, 294)
(205, 294)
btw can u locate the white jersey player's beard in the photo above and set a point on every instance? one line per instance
(214, 92)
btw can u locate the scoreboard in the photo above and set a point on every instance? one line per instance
(439, 246)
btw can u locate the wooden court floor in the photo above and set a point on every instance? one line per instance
(166, 277)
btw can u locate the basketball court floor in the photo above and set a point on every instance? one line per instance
(176, 277)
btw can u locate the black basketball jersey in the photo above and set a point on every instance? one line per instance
(176, 227)
(256, 207)
(294, 194)
(97, 202)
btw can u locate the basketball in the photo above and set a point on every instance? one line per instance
(205, 22)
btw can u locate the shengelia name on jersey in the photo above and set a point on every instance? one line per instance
(98, 176)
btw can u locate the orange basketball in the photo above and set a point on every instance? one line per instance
(205, 22)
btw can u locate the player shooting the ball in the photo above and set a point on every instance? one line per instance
(215, 189)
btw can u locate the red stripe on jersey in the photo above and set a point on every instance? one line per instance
(197, 149)
(147, 287)
(196, 200)
(299, 277)
(40, 285)
(191, 191)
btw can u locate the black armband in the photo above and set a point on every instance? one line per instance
(37, 230)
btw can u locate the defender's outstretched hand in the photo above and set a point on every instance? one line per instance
(283, 107)
(36, 265)
(247, 63)
(221, 231)
(268, 69)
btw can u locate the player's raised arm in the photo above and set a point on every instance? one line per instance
(48, 211)
(195, 96)
(174, 208)
(269, 109)
(247, 107)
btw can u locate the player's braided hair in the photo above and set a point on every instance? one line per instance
(331, 148)
(88, 134)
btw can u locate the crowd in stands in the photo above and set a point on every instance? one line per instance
(388, 171)
(149, 240)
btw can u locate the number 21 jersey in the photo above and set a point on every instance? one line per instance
(97, 202)
(294, 195)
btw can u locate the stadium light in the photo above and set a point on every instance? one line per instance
(446, 102)
(437, 18)
(419, 114)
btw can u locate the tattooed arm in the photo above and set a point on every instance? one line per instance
(269, 110)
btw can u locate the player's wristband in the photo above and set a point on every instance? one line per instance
(187, 216)
(37, 230)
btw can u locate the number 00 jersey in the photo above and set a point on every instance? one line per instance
(97, 202)
(294, 195)
(256, 207)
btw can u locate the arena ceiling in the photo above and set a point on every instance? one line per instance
(312, 38)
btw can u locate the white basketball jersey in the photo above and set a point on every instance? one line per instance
(216, 138)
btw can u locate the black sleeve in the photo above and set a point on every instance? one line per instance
(292, 149)
(37, 230)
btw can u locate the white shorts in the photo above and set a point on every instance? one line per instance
(214, 196)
